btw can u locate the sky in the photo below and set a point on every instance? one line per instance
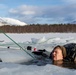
(39, 11)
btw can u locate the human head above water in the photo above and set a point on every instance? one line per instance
(58, 53)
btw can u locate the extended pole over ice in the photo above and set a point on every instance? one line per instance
(18, 45)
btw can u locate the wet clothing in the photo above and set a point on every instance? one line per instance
(71, 51)
(68, 50)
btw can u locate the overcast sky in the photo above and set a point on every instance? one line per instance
(39, 11)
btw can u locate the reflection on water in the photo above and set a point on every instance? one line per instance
(70, 65)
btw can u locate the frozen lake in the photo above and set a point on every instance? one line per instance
(11, 58)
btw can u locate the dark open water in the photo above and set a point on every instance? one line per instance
(43, 62)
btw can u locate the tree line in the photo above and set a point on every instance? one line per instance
(39, 28)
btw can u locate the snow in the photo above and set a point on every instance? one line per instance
(16, 69)
(10, 21)
(13, 56)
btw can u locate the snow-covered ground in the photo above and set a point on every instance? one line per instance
(10, 21)
(14, 55)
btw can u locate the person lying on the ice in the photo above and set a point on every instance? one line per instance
(66, 52)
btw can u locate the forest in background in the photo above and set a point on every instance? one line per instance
(38, 28)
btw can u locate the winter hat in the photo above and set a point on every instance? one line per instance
(63, 50)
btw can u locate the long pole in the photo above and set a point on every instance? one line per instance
(18, 45)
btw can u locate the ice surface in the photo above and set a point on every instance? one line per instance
(16, 69)
(15, 55)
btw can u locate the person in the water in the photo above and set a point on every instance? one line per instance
(64, 56)
(66, 52)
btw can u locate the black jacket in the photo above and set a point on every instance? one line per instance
(70, 52)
